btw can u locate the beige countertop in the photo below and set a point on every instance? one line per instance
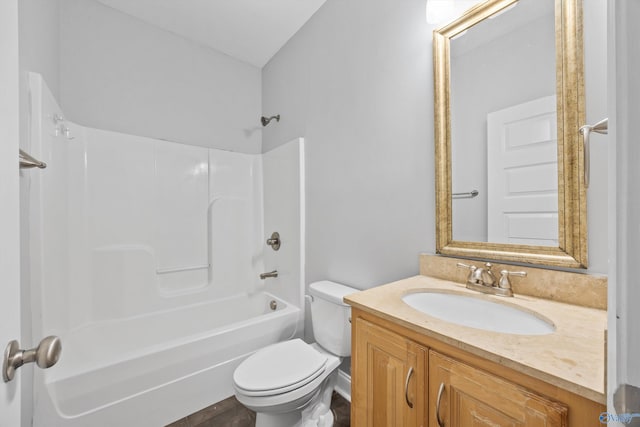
(572, 358)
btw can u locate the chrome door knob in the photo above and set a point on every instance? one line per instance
(46, 354)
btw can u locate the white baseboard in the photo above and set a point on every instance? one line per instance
(343, 386)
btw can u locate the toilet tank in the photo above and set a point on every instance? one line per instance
(330, 316)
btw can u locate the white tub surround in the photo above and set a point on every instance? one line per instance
(146, 257)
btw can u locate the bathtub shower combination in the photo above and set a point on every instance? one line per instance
(145, 261)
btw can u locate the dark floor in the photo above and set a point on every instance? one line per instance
(230, 413)
(341, 411)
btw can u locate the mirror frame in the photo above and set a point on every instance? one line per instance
(572, 201)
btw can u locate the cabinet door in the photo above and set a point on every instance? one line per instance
(389, 378)
(471, 397)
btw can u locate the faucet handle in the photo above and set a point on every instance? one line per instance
(473, 270)
(470, 267)
(504, 282)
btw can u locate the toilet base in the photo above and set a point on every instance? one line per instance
(316, 413)
(290, 419)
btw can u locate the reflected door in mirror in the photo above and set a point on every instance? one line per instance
(501, 63)
(522, 161)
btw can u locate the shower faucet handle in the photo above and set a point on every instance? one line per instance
(274, 241)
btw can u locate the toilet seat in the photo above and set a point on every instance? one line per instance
(279, 368)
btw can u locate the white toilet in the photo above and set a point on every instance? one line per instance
(290, 383)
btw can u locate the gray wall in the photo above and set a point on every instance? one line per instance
(357, 82)
(39, 42)
(121, 74)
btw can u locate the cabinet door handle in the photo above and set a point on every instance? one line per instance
(406, 387)
(440, 423)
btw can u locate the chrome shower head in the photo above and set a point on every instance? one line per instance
(265, 121)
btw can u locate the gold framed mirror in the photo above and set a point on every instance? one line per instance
(547, 120)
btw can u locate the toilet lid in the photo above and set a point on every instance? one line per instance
(279, 368)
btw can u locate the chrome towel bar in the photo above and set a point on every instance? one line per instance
(601, 127)
(27, 161)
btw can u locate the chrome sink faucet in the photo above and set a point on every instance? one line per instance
(483, 280)
(480, 275)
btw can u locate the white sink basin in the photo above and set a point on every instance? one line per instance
(478, 313)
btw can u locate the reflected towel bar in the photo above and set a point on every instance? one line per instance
(27, 161)
(468, 195)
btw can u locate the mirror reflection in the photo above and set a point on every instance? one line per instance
(508, 103)
(504, 151)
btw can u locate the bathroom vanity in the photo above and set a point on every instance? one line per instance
(410, 368)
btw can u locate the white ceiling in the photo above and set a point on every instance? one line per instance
(248, 30)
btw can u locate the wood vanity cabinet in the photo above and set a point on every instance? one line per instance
(470, 397)
(475, 392)
(392, 376)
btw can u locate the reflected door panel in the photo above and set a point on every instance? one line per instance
(523, 174)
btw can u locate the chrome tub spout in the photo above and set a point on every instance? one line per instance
(273, 273)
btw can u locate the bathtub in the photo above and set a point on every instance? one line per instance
(154, 369)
